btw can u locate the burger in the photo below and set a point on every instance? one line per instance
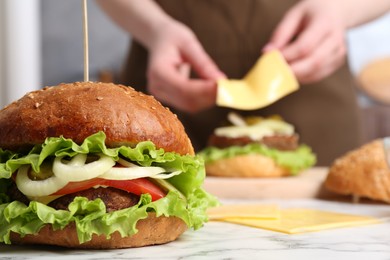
(96, 165)
(256, 147)
(361, 173)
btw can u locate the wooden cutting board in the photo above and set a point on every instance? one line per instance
(308, 184)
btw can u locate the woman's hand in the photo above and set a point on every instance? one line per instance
(311, 36)
(173, 51)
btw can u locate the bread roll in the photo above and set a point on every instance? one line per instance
(362, 172)
(374, 79)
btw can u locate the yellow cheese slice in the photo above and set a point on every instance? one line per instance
(244, 211)
(269, 80)
(294, 221)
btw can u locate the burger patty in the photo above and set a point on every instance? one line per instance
(280, 142)
(114, 199)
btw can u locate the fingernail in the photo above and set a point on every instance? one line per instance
(268, 47)
(220, 75)
(214, 73)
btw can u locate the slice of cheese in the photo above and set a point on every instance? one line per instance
(269, 80)
(294, 221)
(244, 211)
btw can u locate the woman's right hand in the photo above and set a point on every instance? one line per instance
(173, 51)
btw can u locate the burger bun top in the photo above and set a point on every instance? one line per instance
(78, 110)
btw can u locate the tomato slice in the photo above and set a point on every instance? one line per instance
(136, 186)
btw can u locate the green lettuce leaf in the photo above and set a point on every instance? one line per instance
(4, 185)
(296, 160)
(90, 216)
(145, 154)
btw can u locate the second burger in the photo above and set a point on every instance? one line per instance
(256, 147)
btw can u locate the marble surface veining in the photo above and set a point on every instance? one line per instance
(217, 240)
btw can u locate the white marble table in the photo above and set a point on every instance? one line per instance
(229, 241)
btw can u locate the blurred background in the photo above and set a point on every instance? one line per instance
(42, 45)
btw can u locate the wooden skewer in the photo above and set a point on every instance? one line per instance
(85, 31)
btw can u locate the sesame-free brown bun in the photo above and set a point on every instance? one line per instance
(246, 166)
(362, 172)
(151, 231)
(78, 110)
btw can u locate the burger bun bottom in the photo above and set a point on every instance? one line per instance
(246, 166)
(151, 231)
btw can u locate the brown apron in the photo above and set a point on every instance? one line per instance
(233, 33)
